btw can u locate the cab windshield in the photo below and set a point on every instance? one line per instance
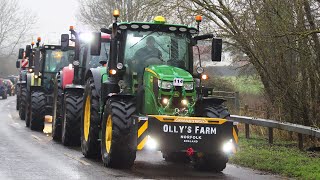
(56, 59)
(146, 48)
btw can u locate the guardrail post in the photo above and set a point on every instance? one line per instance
(270, 135)
(300, 139)
(247, 129)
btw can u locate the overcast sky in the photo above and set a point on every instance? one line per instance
(54, 17)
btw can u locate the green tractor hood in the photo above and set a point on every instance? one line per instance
(168, 73)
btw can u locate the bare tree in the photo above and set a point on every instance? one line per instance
(15, 24)
(98, 13)
(280, 40)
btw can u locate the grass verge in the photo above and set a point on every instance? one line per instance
(282, 158)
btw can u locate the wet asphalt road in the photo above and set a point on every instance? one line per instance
(25, 154)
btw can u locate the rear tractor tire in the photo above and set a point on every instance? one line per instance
(38, 103)
(72, 117)
(119, 135)
(57, 111)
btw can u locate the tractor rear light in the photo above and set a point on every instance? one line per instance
(112, 72)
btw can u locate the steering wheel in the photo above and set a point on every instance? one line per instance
(153, 61)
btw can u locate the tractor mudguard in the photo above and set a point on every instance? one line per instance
(67, 75)
(209, 100)
(109, 89)
(96, 74)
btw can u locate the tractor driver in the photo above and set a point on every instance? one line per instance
(148, 52)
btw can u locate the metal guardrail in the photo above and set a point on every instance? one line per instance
(300, 129)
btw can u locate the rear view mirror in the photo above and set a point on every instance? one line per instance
(64, 42)
(20, 55)
(96, 44)
(216, 49)
(28, 50)
(17, 64)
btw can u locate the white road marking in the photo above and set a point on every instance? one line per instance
(36, 137)
(16, 125)
(77, 159)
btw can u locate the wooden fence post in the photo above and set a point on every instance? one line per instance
(300, 138)
(270, 135)
(247, 129)
(237, 102)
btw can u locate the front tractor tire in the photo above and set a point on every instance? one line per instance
(119, 135)
(90, 121)
(212, 162)
(38, 103)
(72, 117)
(23, 102)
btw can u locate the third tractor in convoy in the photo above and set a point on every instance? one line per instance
(46, 61)
(150, 97)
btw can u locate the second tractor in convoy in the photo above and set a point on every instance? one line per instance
(69, 84)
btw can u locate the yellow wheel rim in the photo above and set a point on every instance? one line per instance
(108, 134)
(86, 120)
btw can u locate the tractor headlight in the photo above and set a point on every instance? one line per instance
(228, 147)
(151, 143)
(184, 102)
(188, 85)
(165, 101)
(165, 84)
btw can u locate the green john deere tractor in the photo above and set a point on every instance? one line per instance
(150, 98)
(47, 61)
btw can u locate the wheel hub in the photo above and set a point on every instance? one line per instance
(86, 119)
(108, 134)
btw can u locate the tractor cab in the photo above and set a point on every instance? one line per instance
(154, 60)
(52, 60)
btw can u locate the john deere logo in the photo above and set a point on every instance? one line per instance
(176, 94)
